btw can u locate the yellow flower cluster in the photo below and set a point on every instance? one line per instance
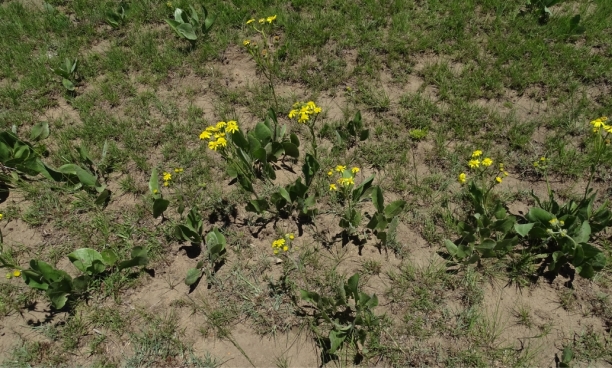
(167, 177)
(268, 20)
(600, 123)
(346, 179)
(283, 244)
(475, 162)
(541, 164)
(216, 134)
(303, 111)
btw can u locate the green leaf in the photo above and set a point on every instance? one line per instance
(394, 208)
(84, 258)
(154, 183)
(262, 133)
(40, 131)
(291, 149)
(109, 257)
(310, 168)
(336, 339)
(245, 183)
(452, 248)
(193, 275)
(58, 298)
(540, 215)
(583, 234)
(102, 197)
(159, 206)
(133, 262)
(186, 30)
(377, 199)
(567, 355)
(310, 296)
(294, 139)
(240, 141)
(257, 205)
(523, 229)
(68, 84)
(365, 134)
(362, 189)
(208, 23)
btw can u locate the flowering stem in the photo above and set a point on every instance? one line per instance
(600, 149)
(314, 138)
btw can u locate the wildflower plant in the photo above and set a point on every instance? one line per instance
(353, 132)
(384, 222)
(264, 56)
(215, 256)
(342, 321)
(67, 71)
(159, 203)
(343, 187)
(284, 244)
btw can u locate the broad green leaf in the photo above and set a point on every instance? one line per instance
(133, 262)
(523, 229)
(394, 208)
(245, 183)
(68, 84)
(208, 23)
(153, 182)
(262, 133)
(109, 257)
(578, 256)
(310, 168)
(159, 206)
(193, 275)
(294, 139)
(538, 214)
(102, 197)
(283, 192)
(83, 259)
(452, 248)
(81, 283)
(240, 141)
(377, 199)
(257, 205)
(362, 189)
(336, 339)
(40, 131)
(584, 233)
(186, 30)
(58, 298)
(291, 149)
(365, 134)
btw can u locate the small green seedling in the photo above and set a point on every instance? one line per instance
(116, 17)
(192, 229)
(215, 253)
(67, 71)
(353, 132)
(187, 24)
(385, 218)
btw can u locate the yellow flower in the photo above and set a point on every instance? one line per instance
(487, 162)
(505, 173)
(543, 158)
(16, 273)
(498, 180)
(317, 110)
(271, 19)
(340, 168)
(250, 21)
(178, 170)
(167, 176)
(219, 135)
(232, 126)
(355, 170)
(554, 222)
(155, 191)
(285, 248)
(213, 145)
(346, 181)
(166, 183)
(608, 128)
(474, 163)
(333, 187)
(169, 4)
(1, 216)
(329, 173)
(220, 125)
(205, 135)
(303, 118)
(599, 122)
(476, 154)
(292, 113)
(222, 142)
(275, 251)
(291, 236)
(462, 178)
(262, 20)
(246, 42)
